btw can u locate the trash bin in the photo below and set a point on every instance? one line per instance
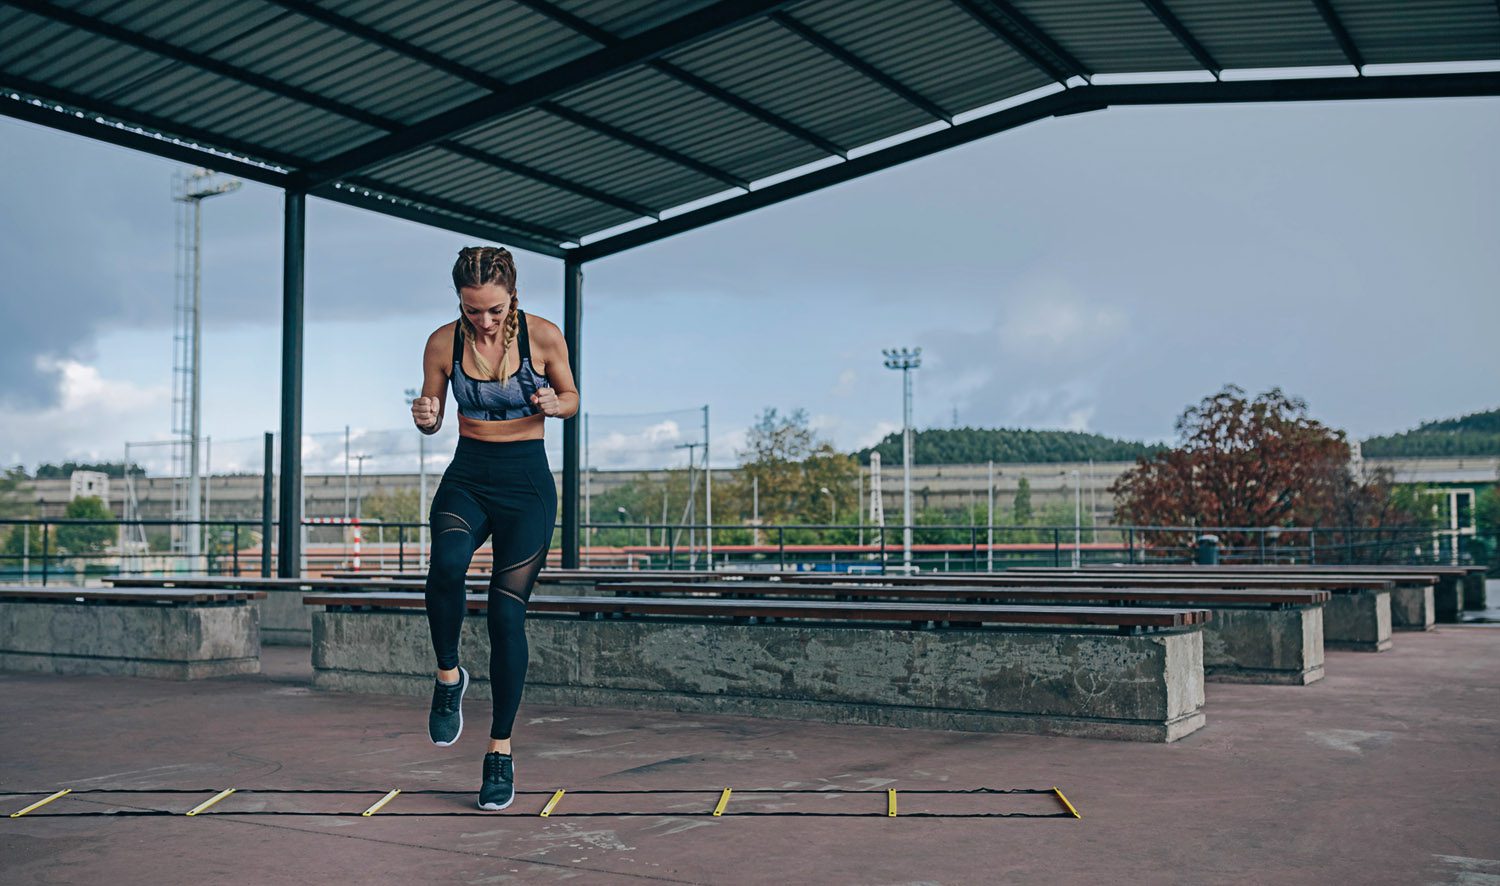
(1208, 550)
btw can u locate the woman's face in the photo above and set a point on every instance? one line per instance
(485, 306)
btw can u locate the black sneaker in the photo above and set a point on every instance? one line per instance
(445, 722)
(499, 786)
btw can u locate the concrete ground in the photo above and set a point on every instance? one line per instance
(1387, 771)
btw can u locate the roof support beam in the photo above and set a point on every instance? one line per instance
(605, 38)
(863, 67)
(494, 84)
(471, 228)
(323, 103)
(1341, 34)
(1007, 23)
(197, 60)
(547, 85)
(1072, 101)
(493, 220)
(1184, 36)
(68, 120)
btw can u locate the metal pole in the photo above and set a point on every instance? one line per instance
(573, 335)
(208, 488)
(1077, 519)
(755, 505)
(708, 493)
(195, 503)
(990, 555)
(265, 508)
(289, 547)
(588, 508)
(422, 505)
(906, 470)
(346, 472)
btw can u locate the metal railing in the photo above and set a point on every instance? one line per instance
(61, 551)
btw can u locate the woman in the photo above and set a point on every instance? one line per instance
(509, 373)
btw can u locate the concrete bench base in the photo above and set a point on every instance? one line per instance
(178, 642)
(1474, 594)
(1282, 646)
(284, 621)
(1413, 608)
(1360, 621)
(1141, 687)
(1448, 596)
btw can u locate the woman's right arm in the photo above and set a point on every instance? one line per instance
(427, 410)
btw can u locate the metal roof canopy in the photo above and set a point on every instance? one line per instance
(626, 121)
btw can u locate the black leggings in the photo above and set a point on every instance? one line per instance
(502, 490)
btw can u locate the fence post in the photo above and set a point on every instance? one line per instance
(401, 548)
(1130, 546)
(781, 548)
(973, 548)
(1056, 547)
(45, 535)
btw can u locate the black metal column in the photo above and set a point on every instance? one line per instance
(266, 482)
(572, 333)
(289, 534)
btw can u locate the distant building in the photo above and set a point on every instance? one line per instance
(89, 483)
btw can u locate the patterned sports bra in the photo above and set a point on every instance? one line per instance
(496, 400)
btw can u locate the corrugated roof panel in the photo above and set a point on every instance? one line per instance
(1109, 36)
(346, 70)
(503, 40)
(1264, 34)
(931, 46)
(572, 152)
(1398, 31)
(453, 177)
(625, 18)
(662, 109)
(777, 70)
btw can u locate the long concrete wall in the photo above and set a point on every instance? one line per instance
(1104, 685)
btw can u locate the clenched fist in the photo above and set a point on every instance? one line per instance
(546, 402)
(424, 412)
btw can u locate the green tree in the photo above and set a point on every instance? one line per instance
(789, 466)
(394, 506)
(86, 539)
(1022, 505)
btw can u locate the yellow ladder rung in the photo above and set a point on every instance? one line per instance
(210, 801)
(40, 803)
(723, 801)
(1065, 802)
(552, 803)
(381, 803)
(890, 803)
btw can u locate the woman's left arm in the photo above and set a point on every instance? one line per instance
(561, 399)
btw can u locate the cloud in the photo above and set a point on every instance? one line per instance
(845, 385)
(1050, 321)
(74, 427)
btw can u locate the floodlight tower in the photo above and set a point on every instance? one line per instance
(190, 190)
(905, 360)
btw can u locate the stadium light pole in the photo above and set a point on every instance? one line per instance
(905, 360)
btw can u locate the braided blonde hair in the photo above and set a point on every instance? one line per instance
(477, 266)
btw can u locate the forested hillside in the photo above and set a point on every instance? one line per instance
(1476, 434)
(978, 445)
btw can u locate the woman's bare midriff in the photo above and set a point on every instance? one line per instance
(509, 431)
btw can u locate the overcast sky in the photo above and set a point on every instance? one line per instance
(1098, 272)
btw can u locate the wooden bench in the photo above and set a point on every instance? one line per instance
(183, 634)
(1110, 672)
(1454, 588)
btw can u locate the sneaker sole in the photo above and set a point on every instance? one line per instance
(491, 807)
(449, 742)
